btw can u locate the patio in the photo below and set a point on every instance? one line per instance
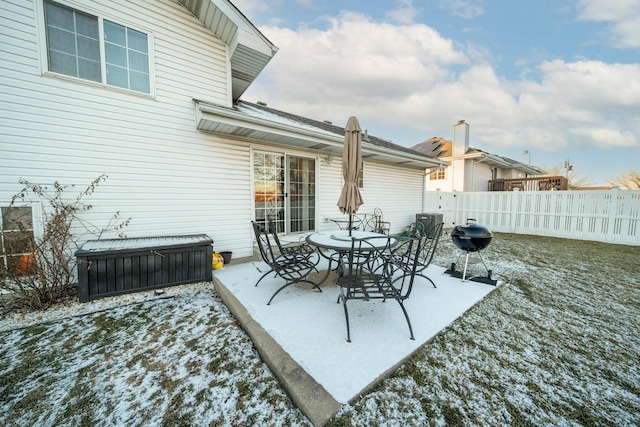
(324, 371)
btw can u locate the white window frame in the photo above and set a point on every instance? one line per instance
(438, 175)
(85, 8)
(36, 222)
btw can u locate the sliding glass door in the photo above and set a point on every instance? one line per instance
(285, 190)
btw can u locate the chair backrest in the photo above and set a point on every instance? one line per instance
(380, 267)
(404, 260)
(368, 223)
(273, 231)
(381, 226)
(263, 239)
(431, 237)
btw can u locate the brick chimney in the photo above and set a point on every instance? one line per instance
(460, 138)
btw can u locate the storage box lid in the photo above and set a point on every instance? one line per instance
(137, 243)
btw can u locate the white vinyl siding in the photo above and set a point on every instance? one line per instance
(397, 191)
(167, 176)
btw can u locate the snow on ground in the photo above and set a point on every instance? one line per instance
(555, 344)
(310, 325)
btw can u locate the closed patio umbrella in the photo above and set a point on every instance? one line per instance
(350, 198)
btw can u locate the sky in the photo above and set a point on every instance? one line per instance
(559, 79)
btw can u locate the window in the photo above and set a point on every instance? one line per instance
(77, 42)
(494, 173)
(361, 178)
(16, 238)
(437, 175)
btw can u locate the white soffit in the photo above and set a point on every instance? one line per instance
(260, 126)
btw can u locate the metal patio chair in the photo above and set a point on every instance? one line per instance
(291, 266)
(430, 237)
(372, 271)
(381, 225)
(301, 248)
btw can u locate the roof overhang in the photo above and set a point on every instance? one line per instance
(498, 161)
(254, 126)
(249, 49)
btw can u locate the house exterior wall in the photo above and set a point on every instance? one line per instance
(445, 184)
(398, 192)
(479, 176)
(457, 171)
(169, 178)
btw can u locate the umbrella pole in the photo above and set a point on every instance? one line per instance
(350, 224)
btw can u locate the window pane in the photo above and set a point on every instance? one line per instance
(63, 64)
(89, 70)
(125, 54)
(139, 82)
(87, 26)
(59, 16)
(138, 61)
(137, 40)
(16, 218)
(62, 41)
(88, 48)
(72, 35)
(18, 242)
(115, 55)
(117, 76)
(115, 33)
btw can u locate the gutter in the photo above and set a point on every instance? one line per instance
(331, 139)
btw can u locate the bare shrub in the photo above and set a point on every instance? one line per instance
(46, 275)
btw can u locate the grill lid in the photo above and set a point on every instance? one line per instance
(471, 237)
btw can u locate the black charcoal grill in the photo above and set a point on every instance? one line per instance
(471, 238)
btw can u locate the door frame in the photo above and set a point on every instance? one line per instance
(286, 208)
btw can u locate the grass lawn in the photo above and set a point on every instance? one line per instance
(556, 344)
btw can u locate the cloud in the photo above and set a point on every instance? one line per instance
(623, 17)
(405, 13)
(409, 77)
(463, 9)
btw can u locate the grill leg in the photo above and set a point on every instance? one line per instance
(464, 273)
(485, 265)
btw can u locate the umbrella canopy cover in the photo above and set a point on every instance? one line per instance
(350, 198)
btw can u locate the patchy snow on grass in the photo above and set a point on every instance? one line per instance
(555, 344)
(178, 360)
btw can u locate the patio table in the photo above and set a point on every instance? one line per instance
(340, 241)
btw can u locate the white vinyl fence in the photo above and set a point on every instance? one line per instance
(611, 216)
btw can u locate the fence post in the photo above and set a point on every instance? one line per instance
(613, 213)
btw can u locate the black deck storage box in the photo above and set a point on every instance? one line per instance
(429, 220)
(118, 266)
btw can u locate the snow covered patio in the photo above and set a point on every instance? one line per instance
(325, 371)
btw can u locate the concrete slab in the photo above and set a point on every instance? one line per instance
(302, 334)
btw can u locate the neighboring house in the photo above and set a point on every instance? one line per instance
(470, 169)
(148, 92)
